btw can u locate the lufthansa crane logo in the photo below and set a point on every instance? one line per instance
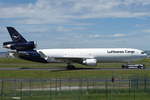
(16, 37)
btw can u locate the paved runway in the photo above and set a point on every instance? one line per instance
(63, 69)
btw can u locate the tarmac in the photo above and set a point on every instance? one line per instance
(61, 69)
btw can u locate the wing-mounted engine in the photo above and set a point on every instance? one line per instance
(90, 62)
(19, 46)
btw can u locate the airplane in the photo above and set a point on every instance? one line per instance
(87, 56)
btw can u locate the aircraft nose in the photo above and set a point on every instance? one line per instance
(144, 55)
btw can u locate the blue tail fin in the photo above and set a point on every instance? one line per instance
(18, 42)
(15, 35)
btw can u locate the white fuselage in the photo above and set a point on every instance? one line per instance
(100, 54)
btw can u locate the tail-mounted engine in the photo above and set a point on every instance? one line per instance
(19, 46)
(18, 42)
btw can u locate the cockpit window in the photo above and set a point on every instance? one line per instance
(142, 52)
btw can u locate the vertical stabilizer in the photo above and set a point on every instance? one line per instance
(18, 42)
(15, 35)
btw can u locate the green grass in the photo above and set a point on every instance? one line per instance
(100, 94)
(14, 62)
(74, 74)
(11, 62)
(82, 95)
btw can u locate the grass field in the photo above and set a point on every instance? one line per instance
(14, 62)
(85, 95)
(94, 90)
(11, 62)
(93, 94)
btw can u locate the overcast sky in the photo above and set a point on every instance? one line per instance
(78, 23)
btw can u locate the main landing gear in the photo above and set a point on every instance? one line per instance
(70, 67)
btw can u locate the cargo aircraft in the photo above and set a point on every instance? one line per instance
(87, 56)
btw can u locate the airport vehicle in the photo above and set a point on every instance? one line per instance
(88, 56)
(133, 66)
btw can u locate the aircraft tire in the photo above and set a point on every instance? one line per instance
(70, 67)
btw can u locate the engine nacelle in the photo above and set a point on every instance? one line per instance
(90, 62)
(19, 46)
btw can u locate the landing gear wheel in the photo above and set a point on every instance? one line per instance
(70, 67)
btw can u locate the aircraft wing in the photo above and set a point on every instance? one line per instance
(68, 59)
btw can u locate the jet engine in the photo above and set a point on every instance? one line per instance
(90, 62)
(20, 46)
